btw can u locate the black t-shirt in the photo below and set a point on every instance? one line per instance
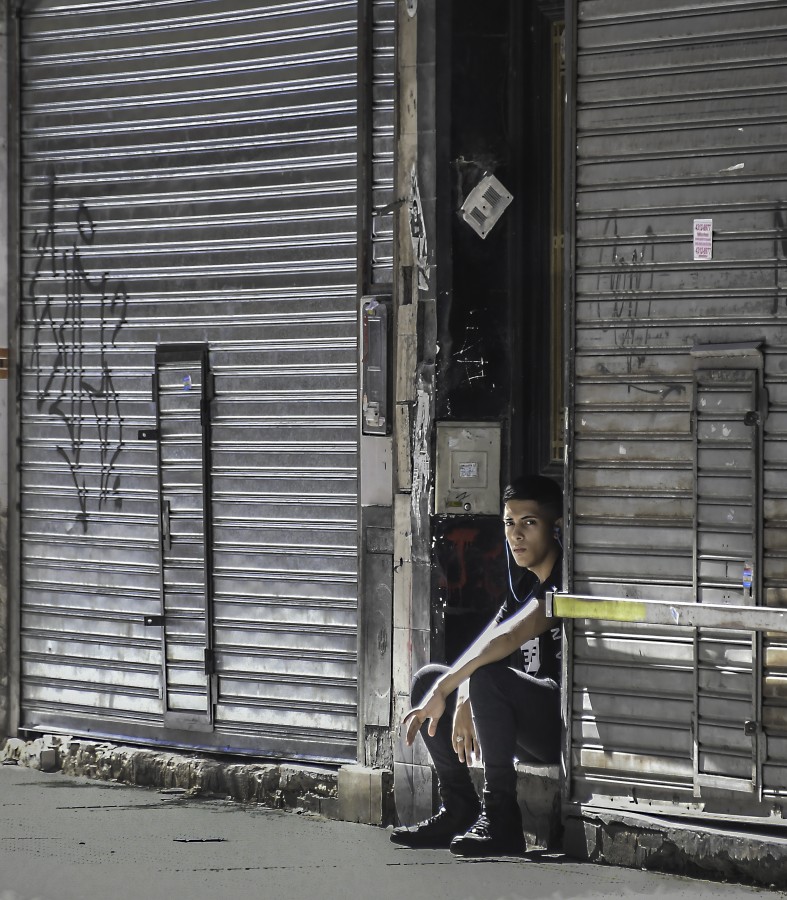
(541, 656)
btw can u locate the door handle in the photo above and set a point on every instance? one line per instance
(166, 530)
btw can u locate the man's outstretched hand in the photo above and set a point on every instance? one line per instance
(432, 708)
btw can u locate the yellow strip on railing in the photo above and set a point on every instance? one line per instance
(726, 617)
(611, 610)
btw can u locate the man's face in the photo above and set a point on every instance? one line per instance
(530, 536)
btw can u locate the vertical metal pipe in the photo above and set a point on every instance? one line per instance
(9, 424)
(569, 343)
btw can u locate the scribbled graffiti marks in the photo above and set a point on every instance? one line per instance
(77, 316)
(627, 274)
(472, 354)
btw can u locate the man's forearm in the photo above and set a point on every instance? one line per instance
(497, 642)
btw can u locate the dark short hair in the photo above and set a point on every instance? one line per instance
(544, 491)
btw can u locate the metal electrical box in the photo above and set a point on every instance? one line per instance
(468, 468)
(374, 366)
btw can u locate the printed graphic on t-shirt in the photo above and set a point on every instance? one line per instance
(531, 657)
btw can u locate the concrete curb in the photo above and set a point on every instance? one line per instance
(351, 793)
(359, 794)
(681, 847)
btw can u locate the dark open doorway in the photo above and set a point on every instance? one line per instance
(500, 99)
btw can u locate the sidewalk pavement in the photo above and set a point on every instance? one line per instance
(68, 838)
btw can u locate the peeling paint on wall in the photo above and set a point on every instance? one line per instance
(418, 232)
(421, 432)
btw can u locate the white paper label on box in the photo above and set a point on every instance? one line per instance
(468, 470)
(703, 239)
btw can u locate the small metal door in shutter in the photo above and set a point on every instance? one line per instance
(727, 567)
(183, 405)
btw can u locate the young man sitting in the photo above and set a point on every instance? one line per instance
(485, 705)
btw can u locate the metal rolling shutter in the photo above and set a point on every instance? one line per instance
(189, 176)
(680, 116)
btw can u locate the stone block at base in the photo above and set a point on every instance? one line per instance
(365, 795)
(414, 792)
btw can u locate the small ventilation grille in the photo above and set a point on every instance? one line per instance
(485, 204)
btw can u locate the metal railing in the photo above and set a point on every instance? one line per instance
(665, 612)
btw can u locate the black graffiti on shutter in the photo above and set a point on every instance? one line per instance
(65, 390)
(631, 275)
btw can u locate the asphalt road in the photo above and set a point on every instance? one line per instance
(72, 839)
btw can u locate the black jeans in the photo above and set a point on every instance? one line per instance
(516, 715)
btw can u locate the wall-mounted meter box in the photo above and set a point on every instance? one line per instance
(374, 366)
(468, 468)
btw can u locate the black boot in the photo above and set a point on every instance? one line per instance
(498, 831)
(459, 810)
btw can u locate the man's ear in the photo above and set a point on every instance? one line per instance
(557, 528)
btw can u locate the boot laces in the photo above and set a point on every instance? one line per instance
(438, 820)
(439, 817)
(482, 827)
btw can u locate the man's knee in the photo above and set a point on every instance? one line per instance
(486, 679)
(423, 680)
